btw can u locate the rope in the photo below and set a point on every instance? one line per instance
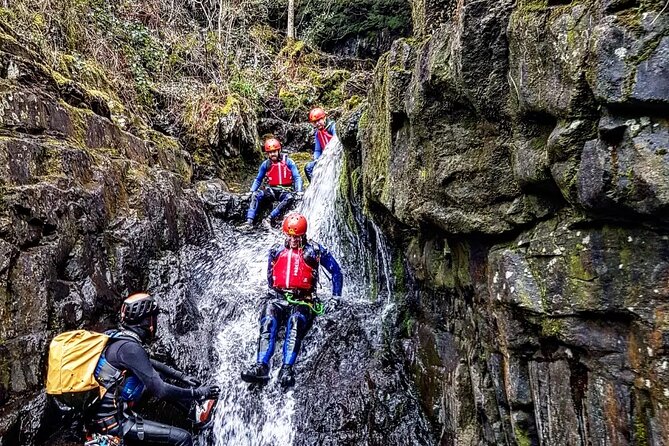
(316, 307)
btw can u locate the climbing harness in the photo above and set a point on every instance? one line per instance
(317, 307)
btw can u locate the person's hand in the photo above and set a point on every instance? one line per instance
(299, 196)
(207, 392)
(331, 304)
(192, 381)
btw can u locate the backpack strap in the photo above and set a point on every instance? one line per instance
(114, 336)
(122, 335)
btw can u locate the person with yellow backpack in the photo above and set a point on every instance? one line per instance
(106, 374)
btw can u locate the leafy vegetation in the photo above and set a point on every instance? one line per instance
(201, 70)
(328, 24)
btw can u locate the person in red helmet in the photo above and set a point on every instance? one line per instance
(282, 181)
(292, 277)
(324, 130)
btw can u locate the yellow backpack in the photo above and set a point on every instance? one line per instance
(73, 357)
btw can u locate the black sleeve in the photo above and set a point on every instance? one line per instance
(167, 371)
(134, 358)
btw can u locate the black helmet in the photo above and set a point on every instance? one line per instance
(137, 307)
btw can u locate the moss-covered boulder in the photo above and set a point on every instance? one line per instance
(626, 171)
(85, 206)
(520, 149)
(560, 279)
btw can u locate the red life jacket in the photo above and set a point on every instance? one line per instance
(291, 272)
(324, 137)
(279, 174)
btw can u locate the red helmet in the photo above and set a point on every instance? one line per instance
(295, 224)
(316, 114)
(272, 144)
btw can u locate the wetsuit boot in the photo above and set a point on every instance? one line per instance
(256, 373)
(287, 376)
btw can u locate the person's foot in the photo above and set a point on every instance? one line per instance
(248, 225)
(270, 222)
(256, 373)
(287, 376)
(266, 223)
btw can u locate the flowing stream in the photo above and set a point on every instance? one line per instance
(237, 278)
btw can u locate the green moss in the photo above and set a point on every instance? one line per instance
(7, 15)
(525, 6)
(203, 113)
(291, 101)
(551, 327)
(377, 136)
(577, 268)
(203, 157)
(294, 50)
(353, 102)
(231, 104)
(522, 437)
(399, 273)
(296, 47)
(640, 433)
(362, 123)
(60, 79)
(244, 88)
(408, 325)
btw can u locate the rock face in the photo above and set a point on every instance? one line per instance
(88, 213)
(517, 153)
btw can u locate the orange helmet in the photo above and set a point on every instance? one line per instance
(295, 224)
(316, 114)
(272, 144)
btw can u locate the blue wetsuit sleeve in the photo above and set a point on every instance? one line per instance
(133, 357)
(297, 178)
(261, 175)
(332, 130)
(331, 265)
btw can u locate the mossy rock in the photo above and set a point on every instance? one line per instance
(297, 98)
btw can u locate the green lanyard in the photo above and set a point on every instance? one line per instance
(316, 307)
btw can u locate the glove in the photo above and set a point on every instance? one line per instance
(299, 196)
(331, 304)
(207, 393)
(191, 381)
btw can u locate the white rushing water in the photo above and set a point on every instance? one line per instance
(254, 417)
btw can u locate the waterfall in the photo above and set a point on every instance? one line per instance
(248, 416)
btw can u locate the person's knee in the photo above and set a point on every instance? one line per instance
(297, 322)
(267, 325)
(180, 437)
(257, 196)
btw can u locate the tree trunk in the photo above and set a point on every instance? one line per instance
(291, 19)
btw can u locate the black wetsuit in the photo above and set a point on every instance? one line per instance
(129, 355)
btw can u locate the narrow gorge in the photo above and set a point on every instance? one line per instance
(502, 208)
